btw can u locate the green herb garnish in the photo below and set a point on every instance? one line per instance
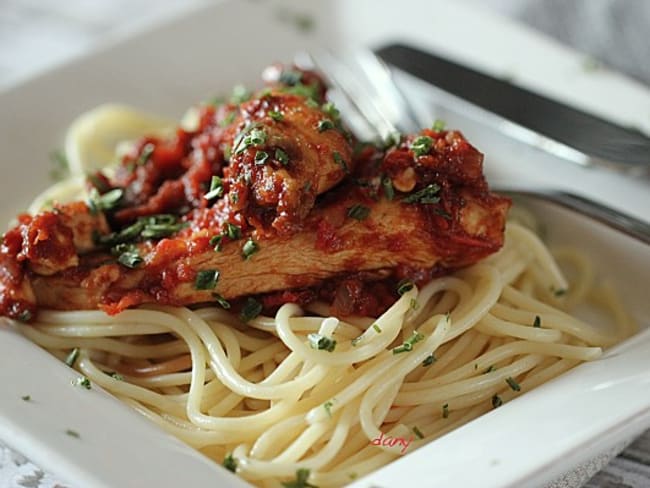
(445, 411)
(216, 188)
(250, 247)
(275, 115)
(225, 304)
(106, 202)
(72, 433)
(328, 407)
(290, 77)
(206, 279)
(83, 381)
(404, 286)
(358, 212)
(60, 167)
(127, 255)
(261, 157)
(428, 194)
(230, 463)
(145, 154)
(302, 475)
(429, 360)
(512, 383)
(282, 157)
(421, 145)
(239, 94)
(26, 398)
(496, 401)
(490, 369)
(324, 125)
(252, 308)
(407, 345)
(228, 119)
(116, 376)
(387, 185)
(317, 341)
(338, 159)
(377, 328)
(439, 125)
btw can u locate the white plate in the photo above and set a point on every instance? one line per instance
(525, 443)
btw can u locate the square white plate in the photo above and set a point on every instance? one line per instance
(525, 443)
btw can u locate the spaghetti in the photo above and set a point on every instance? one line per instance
(261, 399)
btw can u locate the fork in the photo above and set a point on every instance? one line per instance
(375, 108)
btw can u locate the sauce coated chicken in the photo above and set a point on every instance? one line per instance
(268, 198)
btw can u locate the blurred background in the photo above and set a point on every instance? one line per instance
(38, 34)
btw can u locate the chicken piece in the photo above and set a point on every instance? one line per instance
(337, 239)
(45, 244)
(283, 153)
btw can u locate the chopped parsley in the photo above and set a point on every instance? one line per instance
(558, 292)
(538, 321)
(150, 227)
(250, 247)
(24, 316)
(377, 328)
(324, 125)
(328, 407)
(338, 159)
(404, 286)
(145, 154)
(206, 279)
(407, 345)
(127, 255)
(250, 136)
(387, 185)
(318, 341)
(421, 145)
(225, 304)
(275, 115)
(496, 401)
(72, 356)
(116, 376)
(82, 381)
(232, 231)
(239, 94)
(413, 305)
(252, 308)
(60, 167)
(418, 433)
(512, 383)
(445, 411)
(302, 475)
(26, 398)
(106, 202)
(429, 360)
(428, 194)
(358, 212)
(490, 369)
(439, 125)
(261, 157)
(282, 157)
(230, 463)
(72, 433)
(290, 77)
(216, 188)
(228, 119)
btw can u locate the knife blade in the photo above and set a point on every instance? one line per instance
(567, 132)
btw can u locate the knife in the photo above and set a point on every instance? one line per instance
(545, 123)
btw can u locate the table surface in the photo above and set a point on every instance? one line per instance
(38, 34)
